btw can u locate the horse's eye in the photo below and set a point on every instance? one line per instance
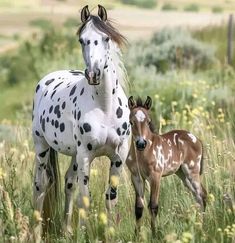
(81, 41)
(107, 39)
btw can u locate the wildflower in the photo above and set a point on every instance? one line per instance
(82, 213)
(37, 216)
(162, 121)
(187, 237)
(174, 103)
(211, 198)
(86, 202)
(111, 231)
(219, 230)
(156, 96)
(114, 181)
(2, 174)
(22, 157)
(103, 218)
(94, 172)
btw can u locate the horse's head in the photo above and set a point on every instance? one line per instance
(95, 36)
(140, 121)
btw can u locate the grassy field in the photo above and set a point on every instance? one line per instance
(196, 97)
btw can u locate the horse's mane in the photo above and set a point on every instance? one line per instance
(117, 41)
(139, 103)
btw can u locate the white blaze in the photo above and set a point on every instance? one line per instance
(140, 116)
(194, 139)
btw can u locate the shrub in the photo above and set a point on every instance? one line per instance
(192, 8)
(41, 23)
(172, 49)
(217, 9)
(168, 7)
(141, 3)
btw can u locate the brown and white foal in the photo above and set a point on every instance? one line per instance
(153, 156)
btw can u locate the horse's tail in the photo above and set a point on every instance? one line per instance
(52, 201)
(201, 162)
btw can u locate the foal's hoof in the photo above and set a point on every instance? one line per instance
(110, 204)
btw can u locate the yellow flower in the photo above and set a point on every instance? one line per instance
(37, 216)
(156, 96)
(86, 202)
(211, 198)
(103, 218)
(162, 121)
(114, 181)
(174, 103)
(187, 237)
(111, 231)
(82, 213)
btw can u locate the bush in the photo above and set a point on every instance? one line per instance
(141, 3)
(192, 8)
(217, 9)
(168, 7)
(172, 49)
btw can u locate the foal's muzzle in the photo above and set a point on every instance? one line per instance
(93, 77)
(141, 144)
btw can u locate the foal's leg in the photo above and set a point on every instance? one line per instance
(117, 161)
(155, 179)
(71, 179)
(139, 186)
(192, 181)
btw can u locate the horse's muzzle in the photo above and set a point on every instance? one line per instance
(93, 77)
(141, 144)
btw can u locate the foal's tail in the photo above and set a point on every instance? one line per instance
(52, 201)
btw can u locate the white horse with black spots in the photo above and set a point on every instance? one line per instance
(83, 115)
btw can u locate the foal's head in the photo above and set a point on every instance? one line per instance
(140, 121)
(95, 35)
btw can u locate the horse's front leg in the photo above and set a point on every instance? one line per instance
(139, 186)
(154, 196)
(117, 161)
(83, 181)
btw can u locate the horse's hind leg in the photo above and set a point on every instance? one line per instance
(192, 182)
(71, 179)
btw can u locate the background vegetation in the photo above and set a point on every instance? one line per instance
(192, 87)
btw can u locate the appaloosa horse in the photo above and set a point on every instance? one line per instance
(153, 156)
(83, 115)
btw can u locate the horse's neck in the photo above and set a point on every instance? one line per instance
(106, 90)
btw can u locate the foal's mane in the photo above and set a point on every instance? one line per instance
(117, 41)
(105, 27)
(139, 103)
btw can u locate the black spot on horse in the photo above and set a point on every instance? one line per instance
(112, 195)
(87, 127)
(89, 146)
(128, 132)
(63, 105)
(74, 99)
(52, 122)
(53, 94)
(74, 114)
(118, 163)
(69, 185)
(57, 111)
(76, 73)
(78, 115)
(46, 93)
(75, 167)
(106, 66)
(119, 112)
(37, 88)
(73, 90)
(43, 154)
(113, 91)
(86, 179)
(49, 81)
(43, 124)
(57, 85)
(55, 142)
(55, 134)
(82, 91)
(79, 143)
(37, 133)
(44, 112)
(124, 125)
(62, 127)
(120, 102)
(56, 124)
(47, 119)
(119, 132)
(51, 108)
(75, 136)
(81, 130)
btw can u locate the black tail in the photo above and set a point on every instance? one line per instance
(52, 201)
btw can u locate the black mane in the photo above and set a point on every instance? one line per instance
(105, 27)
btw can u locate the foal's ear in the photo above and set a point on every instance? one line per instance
(85, 14)
(131, 103)
(102, 13)
(148, 103)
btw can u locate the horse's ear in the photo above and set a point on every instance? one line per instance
(85, 14)
(102, 13)
(148, 103)
(131, 103)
